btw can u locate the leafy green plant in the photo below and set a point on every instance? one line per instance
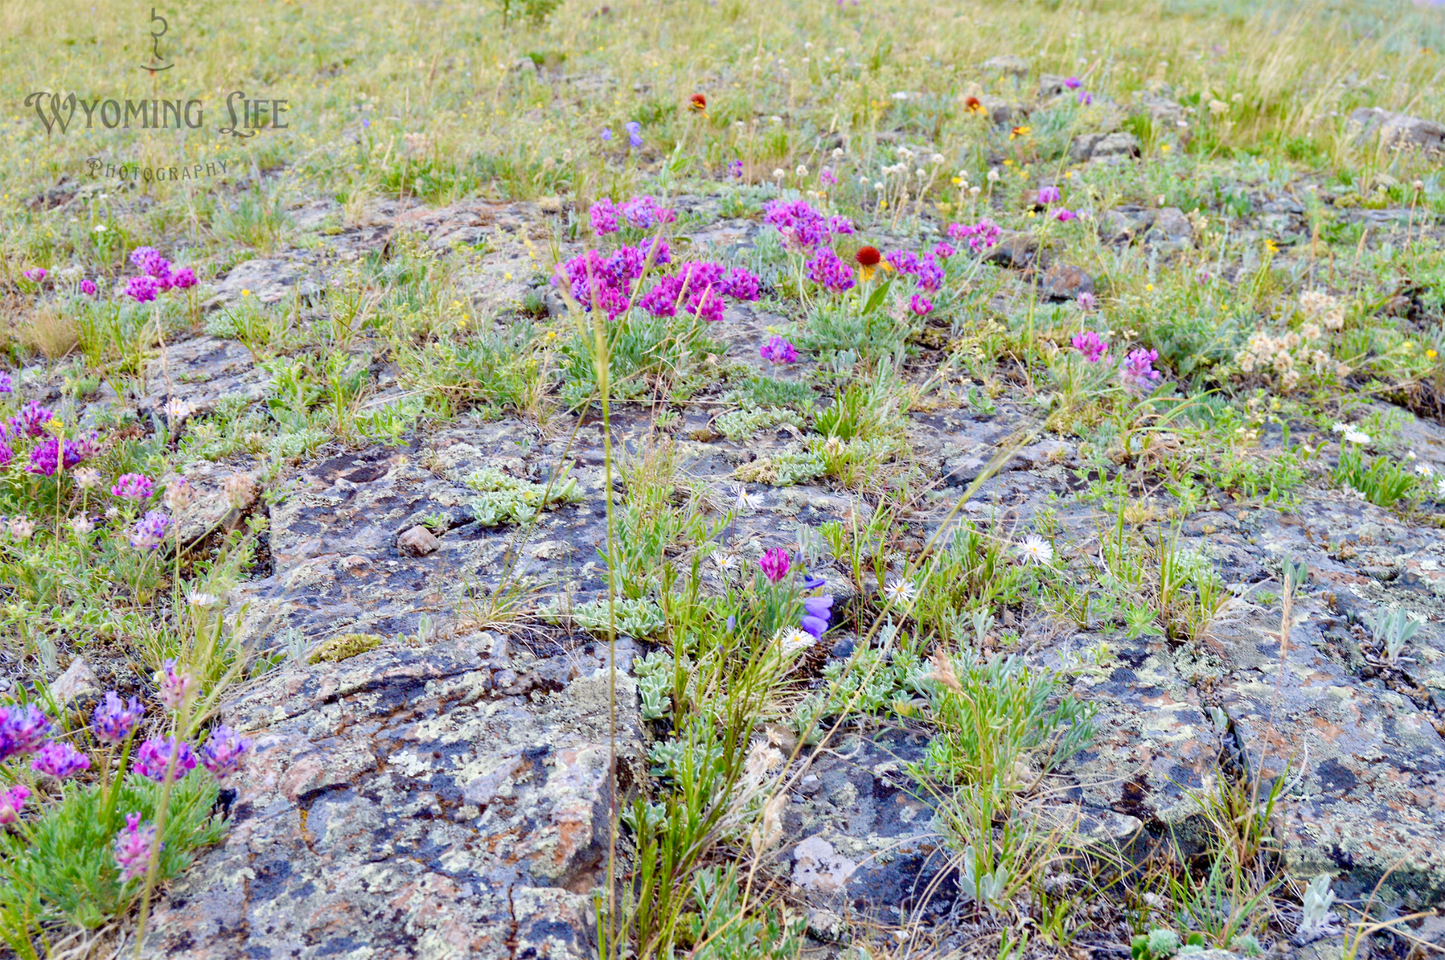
(504, 499)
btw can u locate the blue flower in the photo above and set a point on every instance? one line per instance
(813, 583)
(634, 132)
(606, 133)
(816, 612)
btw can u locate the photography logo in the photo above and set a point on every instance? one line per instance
(246, 116)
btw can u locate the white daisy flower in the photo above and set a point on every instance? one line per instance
(744, 502)
(900, 591)
(725, 561)
(1036, 549)
(199, 598)
(792, 640)
(1356, 436)
(1424, 470)
(1440, 489)
(1339, 427)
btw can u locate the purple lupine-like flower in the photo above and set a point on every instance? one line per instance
(778, 350)
(1086, 98)
(944, 250)
(1086, 301)
(150, 531)
(114, 719)
(7, 385)
(740, 284)
(1073, 83)
(735, 169)
(606, 134)
(158, 268)
(775, 564)
(153, 758)
(603, 216)
(829, 271)
(142, 289)
(930, 275)
(840, 226)
(133, 486)
(661, 300)
(1138, 370)
(980, 236)
(634, 132)
(30, 420)
(664, 252)
(23, 730)
(1091, 345)
(59, 760)
(645, 212)
(11, 802)
(140, 255)
(6, 453)
(45, 457)
(1048, 195)
(1064, 215)
(133, 847)
(829, 177)
(35, 274)
(175, 687)
(920, 304)
(223, 752)
(183, 279)
(803, 227)
(817, 611)
(88, 287)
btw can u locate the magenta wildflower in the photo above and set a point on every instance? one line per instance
(740, 284)
(183, 279)
(133, 486)
(1048, 195)
(133, 847)
(59, 760)
(142, 289)
(706, 305)
(603, 215)
(1091, 345)
(802, 227)
(775, 564)
(1064, 215)
(153, 758)
(30, 420)
(150, 531)
(929, 274)
(35, 274)
(920, 304)
(223, 751)
(829, 177)
(1086, 301)
(735, 169)
(114, 719)
(1073, 83)
(175, 687)
(904, 261)
(1086, 98)
(778, 350)
(88, 287)
(944, 250)
(6, 386)
(23, 730)
(829, 271)
(140, 255)
(1138, 370)
(980, 236)
(10, 803)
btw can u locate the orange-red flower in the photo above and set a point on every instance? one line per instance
(697, 102)
(974, 105)
(868, 259)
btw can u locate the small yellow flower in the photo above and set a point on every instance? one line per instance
(1149, 287)
(551, 334)
(1429, 354)
(1164, 148)
(245, 292)
(957, 181)
(54, 426)
(507, 275)
(1020, 132)
(1270, 245)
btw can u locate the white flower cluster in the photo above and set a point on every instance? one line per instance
(1290, 355)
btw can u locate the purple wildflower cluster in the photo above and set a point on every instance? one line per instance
(640, 213)
(157, 274)
(34, 274)
(817, 610)
(829, 271)
(1050, 195)
(778, 350)
(114, 719)
(133, 847)
(980, 236)
(23, 731)
(1091, 345)
(11, 802)
(223, 752)
(149, 531)
(46, 457)
(33, 420)
(59, 760)
(153, 759)
(606, 281)
(704, 285)
(802, 227)
(133, 486)
(1136, 370)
